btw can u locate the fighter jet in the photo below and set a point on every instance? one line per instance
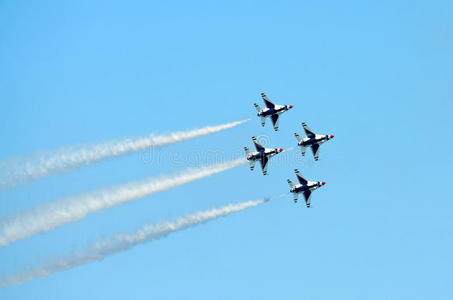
(313, 140)
(271, 110)
(262, 154)
(305, 187)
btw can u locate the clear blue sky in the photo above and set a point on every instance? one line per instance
(376, 74)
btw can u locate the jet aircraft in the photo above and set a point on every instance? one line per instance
(273, 111)
(262, 154)
(305, 187)
(312, 140)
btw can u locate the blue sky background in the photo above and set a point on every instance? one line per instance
(376, 74)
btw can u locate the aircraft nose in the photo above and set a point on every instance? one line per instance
(281, 149)
(290, 106)
(323, 183)
(332, 136)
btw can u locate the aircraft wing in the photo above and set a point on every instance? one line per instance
(264, 161)
(301, 178)
(274, 119)
(308, 131)
(307, 196)
(268, 102)
(315, 149)
(258, 146)
(296, 196)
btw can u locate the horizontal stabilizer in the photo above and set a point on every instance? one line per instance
(299, 139)
(258, 108)
(252, 165)
(247, 151)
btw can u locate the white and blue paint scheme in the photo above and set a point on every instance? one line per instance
(305, 187)
(273, 111)
(262, 155)
(312, 140)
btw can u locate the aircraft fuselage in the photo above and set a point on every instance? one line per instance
(318, 139)
(260, 154)
(278, 109)
(310, 186)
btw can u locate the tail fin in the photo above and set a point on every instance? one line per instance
(247, 151)
(298, 137)
(291, 184)
(303, 149)
(295, 195)
(258, 108)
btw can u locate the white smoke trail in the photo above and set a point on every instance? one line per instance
(49, 216)
(289, 149)
(23, 170)
(121, 242)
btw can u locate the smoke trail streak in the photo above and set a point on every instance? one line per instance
(49, 216)
(289, 149)
(23, 170)
(122, 242)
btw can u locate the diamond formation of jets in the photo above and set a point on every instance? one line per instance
(305, 187)
(312, 140)
(262, 155)
(273, 111)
